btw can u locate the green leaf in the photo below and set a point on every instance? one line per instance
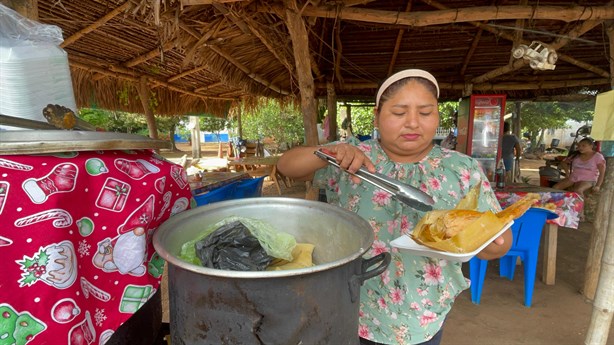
(28, 279)
(43, 258)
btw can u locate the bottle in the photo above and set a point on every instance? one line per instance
(500, 175)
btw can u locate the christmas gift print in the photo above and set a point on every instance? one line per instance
(18, 328)
(61, 179)
(54, 265)
(113, 195)
(179, 175)
(134, 297)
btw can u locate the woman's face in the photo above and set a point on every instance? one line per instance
(585, 147)
(407, 122)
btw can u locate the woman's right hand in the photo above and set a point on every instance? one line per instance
(350, 158)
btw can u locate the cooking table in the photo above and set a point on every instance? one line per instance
(567, 205)
(75, 235)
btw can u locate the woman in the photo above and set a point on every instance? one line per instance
(587, 169)
(408, 303)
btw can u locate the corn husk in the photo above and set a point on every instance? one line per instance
(464, 229)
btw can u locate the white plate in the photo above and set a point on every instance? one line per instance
(406, 243)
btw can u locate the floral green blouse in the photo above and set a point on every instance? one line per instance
(408, 303)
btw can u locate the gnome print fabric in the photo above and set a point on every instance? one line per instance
(75, 241)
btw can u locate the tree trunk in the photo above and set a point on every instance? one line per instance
(143, 90)
(171, 134)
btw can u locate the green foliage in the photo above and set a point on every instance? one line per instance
(213, 124)
(280, 124)
(536, 117)
(115, 121)
(362, 117)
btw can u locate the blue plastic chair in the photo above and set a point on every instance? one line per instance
(219, 194)
(249, 188)
(527, 232)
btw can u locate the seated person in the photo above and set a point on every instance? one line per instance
(587, 169)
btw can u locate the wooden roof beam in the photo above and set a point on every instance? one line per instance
(100, 22)
(512, 66)
(397, 43)
(150, 55)
(338, 53)
(235, 62)
(247, 71)
(254, 27)
(459, 15)
(509, 86)
(210, 86)
(186, 73)
(206, 2)
(133, 79)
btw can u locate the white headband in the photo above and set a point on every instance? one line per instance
(408, 73)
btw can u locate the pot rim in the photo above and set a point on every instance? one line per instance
(176, 220)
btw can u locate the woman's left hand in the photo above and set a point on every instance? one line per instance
(497, 248)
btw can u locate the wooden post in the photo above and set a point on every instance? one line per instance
(143, 90)
(331, 104)
(27, 8)
(300, 46)
(604, 207)
(516, 125)
(603, 237)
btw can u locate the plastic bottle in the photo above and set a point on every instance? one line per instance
(500, 175)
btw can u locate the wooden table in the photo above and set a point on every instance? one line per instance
(213, 180)
(259, 166)
(568, 205)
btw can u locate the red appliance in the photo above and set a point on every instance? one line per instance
(480, 128)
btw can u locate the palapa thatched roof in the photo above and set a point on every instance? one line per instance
(202, 55)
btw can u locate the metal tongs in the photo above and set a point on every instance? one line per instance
(406, 194)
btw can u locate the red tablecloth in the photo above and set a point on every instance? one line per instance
(75, 241)
(568, 205)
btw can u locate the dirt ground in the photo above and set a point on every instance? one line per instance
(559, 313)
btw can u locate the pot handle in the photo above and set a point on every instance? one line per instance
(357, 280)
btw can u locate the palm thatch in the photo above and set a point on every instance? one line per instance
(204, 55)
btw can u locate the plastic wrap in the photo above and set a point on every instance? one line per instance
(22, 31)
(277, 244)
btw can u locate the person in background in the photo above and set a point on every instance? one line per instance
(510, 149)
(587, 169)
(409, 302)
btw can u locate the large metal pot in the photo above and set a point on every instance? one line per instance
(315, 305)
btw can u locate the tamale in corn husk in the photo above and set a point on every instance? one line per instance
(464, 229)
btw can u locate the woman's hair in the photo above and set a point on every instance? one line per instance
(588, 141)
(397, 85)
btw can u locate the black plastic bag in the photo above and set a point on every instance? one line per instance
(232, 247)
